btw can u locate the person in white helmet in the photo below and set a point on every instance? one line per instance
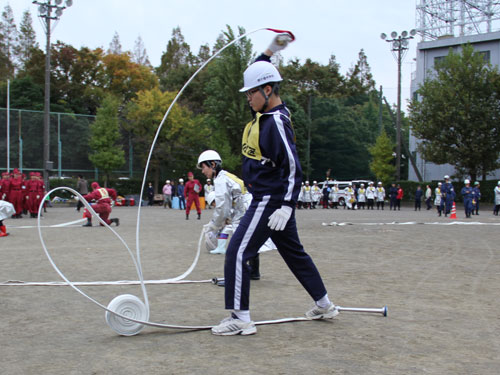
(207, 188)
(467, 194)
(380, 195)
(306, 195)
(272, 173)
(371, 193)
(497, 199)
(315, 194)
(231, 201)
(448, 194)
(167, 194)
(361, 196)
(180, 194)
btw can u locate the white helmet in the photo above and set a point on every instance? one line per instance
(208, 155)
(168, 181)
(439, 184)
(315, 182)
(362, 185)
(498, 183)
(258, 74)
(208, 180)
(181, 180)
(446, 177)
(467, 181)
(380, 182)
(211, 198)
(307, 182)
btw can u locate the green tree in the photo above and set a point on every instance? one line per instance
(227, 109)
(382, 158)
(106, 154)
(457, 111)
(180, 139)
(8, 42)
(26, 41)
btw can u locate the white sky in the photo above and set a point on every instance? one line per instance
(322, 28)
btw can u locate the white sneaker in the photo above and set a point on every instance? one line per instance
(218, 251)
(232, 326)
(323, 312)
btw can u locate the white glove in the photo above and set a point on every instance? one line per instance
(279, 42)
(210, 227)
(279, 218)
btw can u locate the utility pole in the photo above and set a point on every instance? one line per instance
(45, 9)
(399, 47)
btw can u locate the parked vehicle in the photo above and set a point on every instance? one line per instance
(342, 185)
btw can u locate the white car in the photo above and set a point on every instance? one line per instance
(342, 185)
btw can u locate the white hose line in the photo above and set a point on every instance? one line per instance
(124, 310)
(336, 224)
(99, 283)
(62, 225)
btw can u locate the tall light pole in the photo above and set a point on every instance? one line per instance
(399, 47)
(48, 10)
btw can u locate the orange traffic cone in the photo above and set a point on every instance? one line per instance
(453, 212)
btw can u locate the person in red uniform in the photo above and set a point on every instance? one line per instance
(31, 194)
(5, 186)
(16, 193)
(191, 192)
(102, 205)
(40, 192)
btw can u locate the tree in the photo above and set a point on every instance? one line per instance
(382, 158)
(106, 154)
(8, 41)
(228, 110)
(457, 114)
(115, 47)
(140, 56)
(180, 139)
(27, 40)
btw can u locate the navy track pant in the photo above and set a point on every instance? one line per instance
(250, 235)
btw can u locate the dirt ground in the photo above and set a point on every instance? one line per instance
(441, 285)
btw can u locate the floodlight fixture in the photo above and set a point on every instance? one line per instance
(69, 3)
(394, 34)
(59, 12)
(404, 34)
(383, 36)
(413, 32)
(58, 2)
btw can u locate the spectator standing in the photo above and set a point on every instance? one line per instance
(438, 200)
(167, 194)
(399, 197)
(207, 189)
(477, 198)
(151, 194)
(496, 191)
(192, 193)
(418, 198)
(467, 195)
(428, 197)
(370, 195)
(380, 196)
(393, 192)
(82, 187)
(180, 194)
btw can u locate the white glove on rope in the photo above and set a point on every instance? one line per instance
(279, 42)
(210, 240)
(279, 218)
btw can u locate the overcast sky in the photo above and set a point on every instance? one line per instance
(322, 28)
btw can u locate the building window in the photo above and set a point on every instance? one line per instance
(486, 55)
(438, 60)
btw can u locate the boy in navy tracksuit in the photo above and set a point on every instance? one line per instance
(272, 174)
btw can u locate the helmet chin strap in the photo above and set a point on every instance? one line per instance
(266, 103)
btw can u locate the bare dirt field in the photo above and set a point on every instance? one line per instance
(441, 284)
